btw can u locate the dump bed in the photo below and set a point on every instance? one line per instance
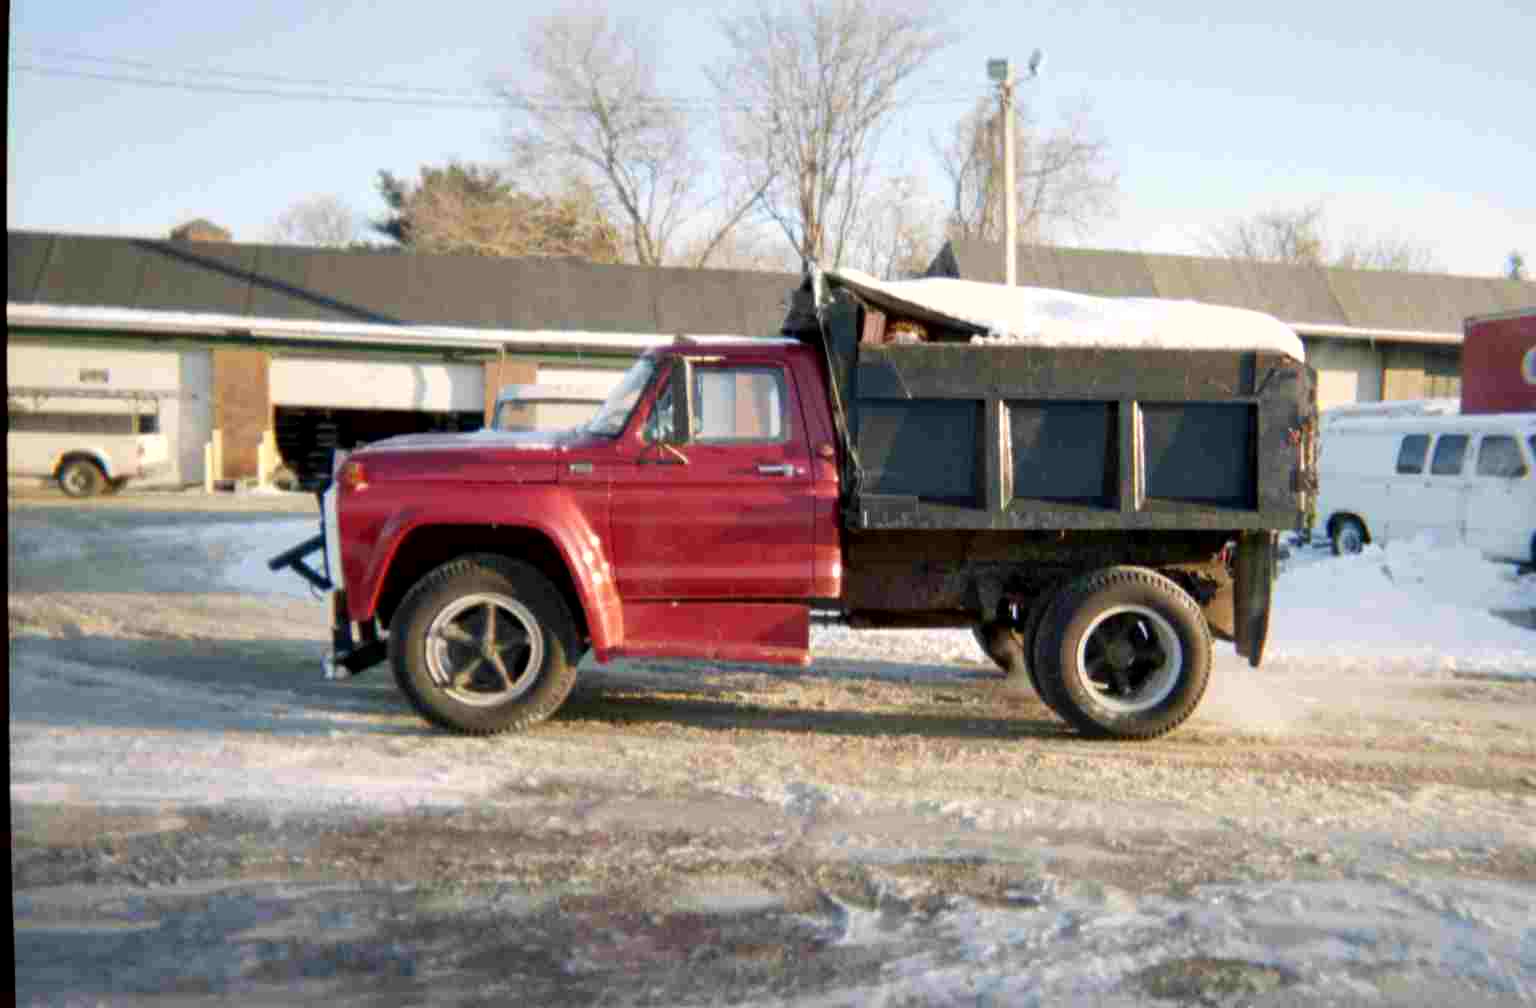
(947, 432)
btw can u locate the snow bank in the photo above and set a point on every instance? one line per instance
(1409, 600)
(1040, 317)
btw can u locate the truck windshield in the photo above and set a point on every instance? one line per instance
(614, 413)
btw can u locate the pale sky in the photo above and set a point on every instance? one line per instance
(1409, 121)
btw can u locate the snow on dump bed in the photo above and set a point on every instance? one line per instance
(1040, 317)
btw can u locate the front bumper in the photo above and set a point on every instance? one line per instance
(354, 646)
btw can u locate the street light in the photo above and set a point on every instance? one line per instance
(1001, 73)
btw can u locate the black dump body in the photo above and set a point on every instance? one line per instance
(947, 434)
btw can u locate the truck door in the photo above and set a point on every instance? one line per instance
(727, 512)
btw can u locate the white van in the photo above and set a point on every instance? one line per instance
(89, 441)
(1462, 479)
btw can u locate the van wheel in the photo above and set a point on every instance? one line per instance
(481, 645)
(1124, 653)
(81, 478)
(1348, 536)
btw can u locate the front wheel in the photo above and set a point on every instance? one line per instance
(81, 478)
(1124, 653)
(482, 645)
(1348, 537)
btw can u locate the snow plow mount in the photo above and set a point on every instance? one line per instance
(351, 653)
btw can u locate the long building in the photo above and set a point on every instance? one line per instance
(236, 344)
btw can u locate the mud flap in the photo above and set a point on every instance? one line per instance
(1252, 591)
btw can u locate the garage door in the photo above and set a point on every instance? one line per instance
(392, 385)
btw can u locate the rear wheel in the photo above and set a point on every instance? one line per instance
(1006, 643)
(482, 645)
(1348, 536)
(1124, 653)
(81, 478)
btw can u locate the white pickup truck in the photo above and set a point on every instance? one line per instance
(90, 441)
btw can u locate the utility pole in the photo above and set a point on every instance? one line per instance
(1001, 72)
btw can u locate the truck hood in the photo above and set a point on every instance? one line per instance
(480, 440)
(483, 456)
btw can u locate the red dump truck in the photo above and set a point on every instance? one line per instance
(1094, 486)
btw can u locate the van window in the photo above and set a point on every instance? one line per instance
(1410, 457)
(1499, 455)
(1450, 450)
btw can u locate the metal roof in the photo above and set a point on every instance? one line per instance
(1314, 300)
(385, 288)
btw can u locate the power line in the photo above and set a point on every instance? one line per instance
(209, 87)
(309, 89)
(76, 56)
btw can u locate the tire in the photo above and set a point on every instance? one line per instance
(80, 477)
(442, 622)
(1124, 653)
(1349, 536)
(1023, 637)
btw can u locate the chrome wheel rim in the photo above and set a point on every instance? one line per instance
(484, 649)
(1129, 660)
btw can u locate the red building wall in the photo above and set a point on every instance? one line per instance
(1498, 363)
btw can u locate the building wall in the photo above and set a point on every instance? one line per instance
(242, 407)
(194, 419)
(1347, 371)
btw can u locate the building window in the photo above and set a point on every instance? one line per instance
(95, 376)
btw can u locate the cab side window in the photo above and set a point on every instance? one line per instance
(1499, 455)
(1410, 455)
(658, 426)
(1450, 451)
(739, 404)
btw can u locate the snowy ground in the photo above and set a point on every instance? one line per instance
(197, 816)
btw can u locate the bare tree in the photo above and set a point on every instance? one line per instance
(316, 220)
(1298, 236)
(1287, 236)
(809, 84)
(590, 107)
(1065, 180)
(898, 230)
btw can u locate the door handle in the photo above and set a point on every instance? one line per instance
(783, 469)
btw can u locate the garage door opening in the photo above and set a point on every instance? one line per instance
(308, 436)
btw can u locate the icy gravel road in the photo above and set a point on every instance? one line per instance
(198, 818)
